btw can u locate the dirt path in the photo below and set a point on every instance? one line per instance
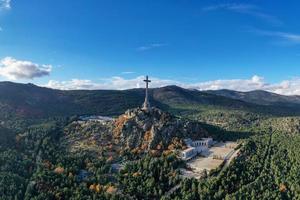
(228, 160)
(171, 191)
(266, 161)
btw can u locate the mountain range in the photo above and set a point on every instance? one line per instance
(31, 101)
(259, 97)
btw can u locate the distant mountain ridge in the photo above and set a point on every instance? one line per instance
(260, 97)
(31, 101)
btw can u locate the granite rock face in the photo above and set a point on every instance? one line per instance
(154, 129)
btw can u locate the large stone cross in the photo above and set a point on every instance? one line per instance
(146, 105)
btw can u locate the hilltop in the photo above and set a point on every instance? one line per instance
(154, 129)
(136, 130)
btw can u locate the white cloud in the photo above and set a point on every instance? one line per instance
(5, 4)
(128, 72)
(286, 87)
(289, 38)
(246, 9)
(13, 69)
(151, 46)
(233, 7)
(74, 84)
(116, 82)
(255, 83)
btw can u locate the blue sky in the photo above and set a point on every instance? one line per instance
(101, 44)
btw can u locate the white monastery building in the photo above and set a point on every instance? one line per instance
(195, 147)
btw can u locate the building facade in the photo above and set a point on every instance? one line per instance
(195, 147)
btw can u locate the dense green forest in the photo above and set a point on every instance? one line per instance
(33, 165)
(37, 163)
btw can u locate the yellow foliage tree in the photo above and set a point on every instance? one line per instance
(111, 190)
(98, 188)
(171, 147)
(167, 152)
(147, 136)
(282, 188)
(119, 123)
(92, 187)
(59, 170)
(136, 174)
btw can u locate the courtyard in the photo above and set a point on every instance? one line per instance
(210, 159)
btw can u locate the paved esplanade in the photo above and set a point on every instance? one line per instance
(146, 105)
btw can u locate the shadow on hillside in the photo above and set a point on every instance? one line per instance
(221, 134)
(218, 133)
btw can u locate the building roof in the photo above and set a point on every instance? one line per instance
(188, 149)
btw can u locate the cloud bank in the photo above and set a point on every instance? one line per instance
(115, 83)
(13, 69)
(286, 87)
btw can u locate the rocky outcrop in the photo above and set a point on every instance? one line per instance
(154, 129)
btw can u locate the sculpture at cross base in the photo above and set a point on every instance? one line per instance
(146, 105)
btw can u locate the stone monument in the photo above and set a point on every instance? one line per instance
(146, 105)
